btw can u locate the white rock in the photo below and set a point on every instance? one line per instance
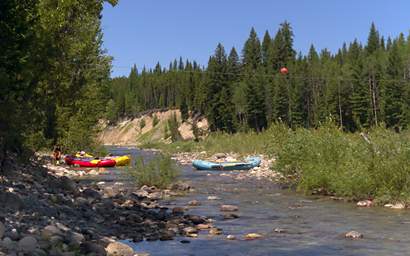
(119, 249)
(213, 198)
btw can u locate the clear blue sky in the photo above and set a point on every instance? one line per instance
(143, 32)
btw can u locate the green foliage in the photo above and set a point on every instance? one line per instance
(142, 123)
(333, 162)
(172, 128)
(160, 171)
(155, 121)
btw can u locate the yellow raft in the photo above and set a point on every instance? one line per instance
(122, 160)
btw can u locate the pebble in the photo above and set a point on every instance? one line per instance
(397, 206)
(178, 210)
(252, 236)
(119, 249)
(231, 237)
(213, 198)
(8, 243)
(229, 216)
(194, 203)
(229, 208)
(203, 226)
(279, 230)
(215, 231)
(50, 231)
(353, 235)
(27, 244)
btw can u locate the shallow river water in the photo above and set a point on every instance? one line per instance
(313, 226)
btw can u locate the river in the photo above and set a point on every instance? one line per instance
(311, 225)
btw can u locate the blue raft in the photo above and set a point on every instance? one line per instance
(249, 163)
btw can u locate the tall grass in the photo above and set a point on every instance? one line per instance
(160, 171)
(337, 163)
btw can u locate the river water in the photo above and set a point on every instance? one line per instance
(312, 225)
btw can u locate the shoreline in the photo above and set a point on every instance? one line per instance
(44, 209)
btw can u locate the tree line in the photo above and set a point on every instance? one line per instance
(359, 86)
(54, 74)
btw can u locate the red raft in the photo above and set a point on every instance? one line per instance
(70, 160)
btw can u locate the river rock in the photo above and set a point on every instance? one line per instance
(2, 230)
(365, 203)
(178, 210)
(215, 231)
(189, 231)
(228, 208)
(213, 198)
(279, 230)
(75, 238)
(220, 155)
(203, 226)
(229, 216)
(8, 243)
(10, 201)
(27, 244)
(231, 237)
(353, 235)
(181, 186)
(167, 235)
(110, 192)
(194, 203)
(92, 248)
(119, 249)
(67, 184)
(155, 195)
(396, 206)
(50, 231)
(91, 193)
(252, 236)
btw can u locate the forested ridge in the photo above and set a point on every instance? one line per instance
(54, 74)
(359, 86)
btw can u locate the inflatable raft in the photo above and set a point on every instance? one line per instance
(70, 160)
(249, 163)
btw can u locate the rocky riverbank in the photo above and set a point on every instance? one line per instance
(264, 171)
(44, 210)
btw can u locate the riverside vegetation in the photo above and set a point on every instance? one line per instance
(325, 160)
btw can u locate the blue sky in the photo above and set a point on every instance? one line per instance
(143, 32)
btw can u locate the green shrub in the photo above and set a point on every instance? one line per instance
(155, 121)
(160, 171)
(142, 123)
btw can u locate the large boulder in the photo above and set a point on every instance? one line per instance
(119, 249)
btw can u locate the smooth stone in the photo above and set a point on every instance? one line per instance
(2, 230)
(203, 226)
(27, 244)
(92, 248)
(10, 201)
(252, 236)
(231, 237)
(119, 249)
(50, 231)
(178, 210)
(8, 243)
(229, 208)
(353, 235)
(364, 203)
(215, 231)
(194, 203)
(229, 216)
(279, 230)
(213, 198)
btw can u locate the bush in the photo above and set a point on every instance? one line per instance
(155, 121)
(161, 171)
(142, 123)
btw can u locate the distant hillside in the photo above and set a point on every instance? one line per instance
(151, 126)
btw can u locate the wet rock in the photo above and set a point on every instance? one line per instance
(27, 244)
(167, 235)
(229, 208)
(194, 203)
(203, 226)
(190, 231)
(213, 198)
(50, 231)
(279, 230)
(10, 201)
(353, 235)
(196, 219)
(13, 234)
(229, 216)
(397, 206)
(215, 231)
(231, 237)
(141, 194)
(365, 203)
(67, 184)
(119, 249)
(185, 241)
(2, 230)
(92, 248)
(110, 192)
(178, 210)
(253, 236)
(155, 196)
(181, 186)
(75, 238)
